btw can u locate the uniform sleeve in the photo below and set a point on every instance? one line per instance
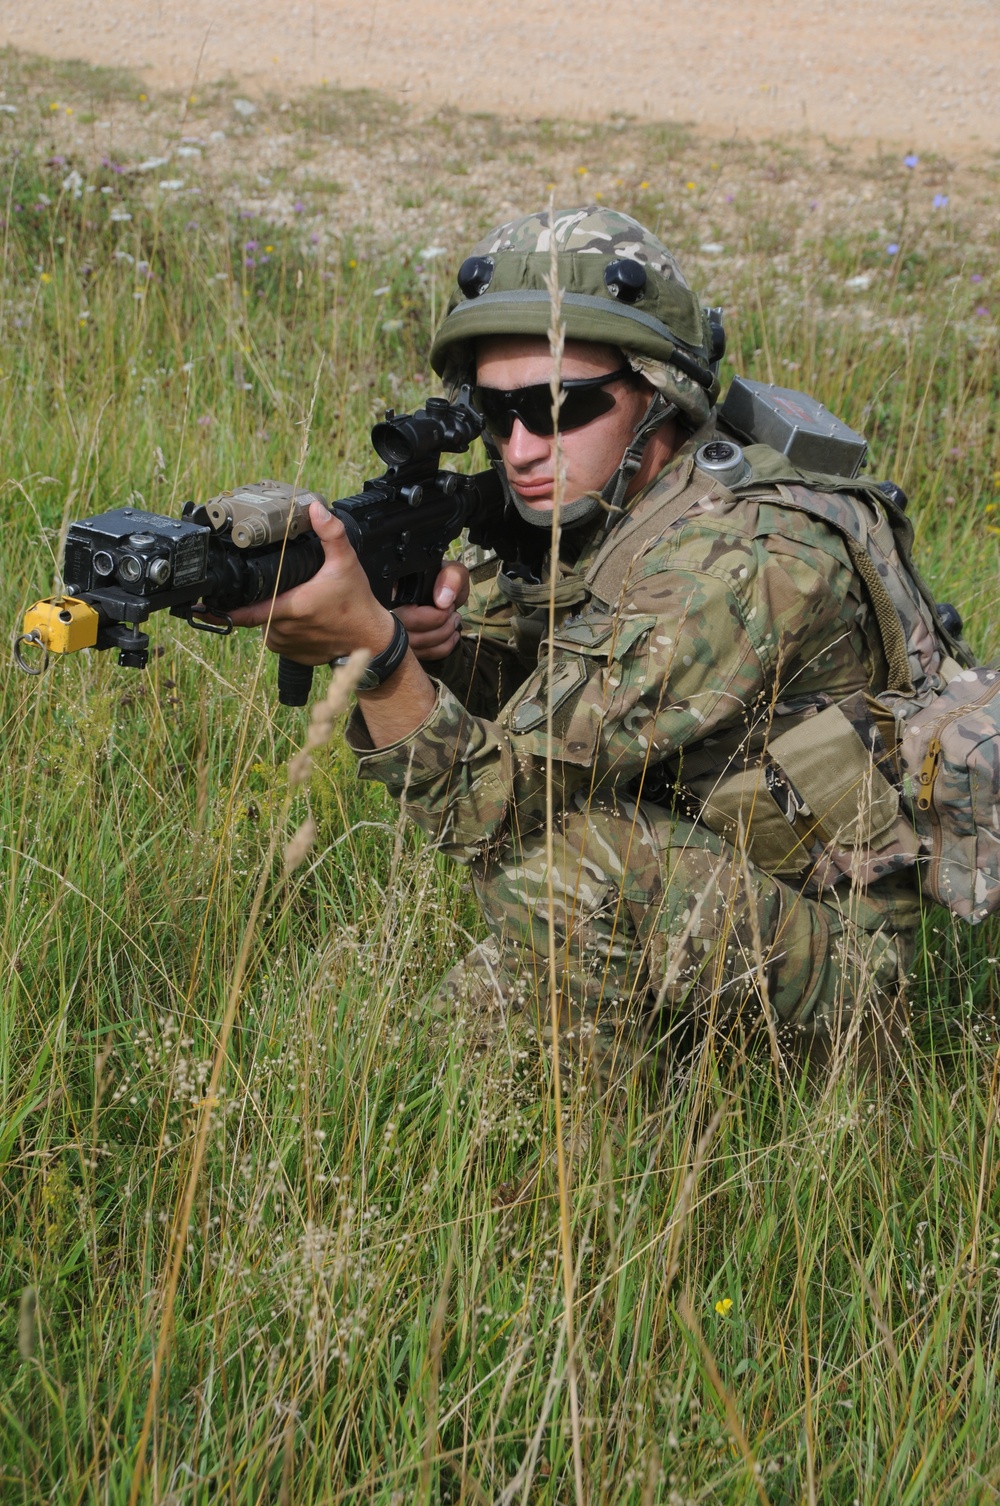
(709, 626)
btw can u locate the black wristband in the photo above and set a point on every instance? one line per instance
(384, 664)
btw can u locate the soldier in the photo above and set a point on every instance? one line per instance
(725, 840)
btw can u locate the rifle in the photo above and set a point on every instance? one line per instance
(246, 545)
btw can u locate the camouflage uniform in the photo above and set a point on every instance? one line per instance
(706, 622)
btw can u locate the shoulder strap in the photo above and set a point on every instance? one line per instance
(769, 467)
(651, 514)
(877, 534)
(648, 521)
(890, 624)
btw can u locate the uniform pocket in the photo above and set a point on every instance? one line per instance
(615, 676)
(529, 708)
(591, 682)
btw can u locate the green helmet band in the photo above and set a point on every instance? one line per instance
(488, 315)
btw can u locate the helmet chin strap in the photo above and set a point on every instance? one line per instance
(611, 497)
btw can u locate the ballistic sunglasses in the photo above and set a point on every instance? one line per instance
(583, 400)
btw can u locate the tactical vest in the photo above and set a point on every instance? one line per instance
(867, 786)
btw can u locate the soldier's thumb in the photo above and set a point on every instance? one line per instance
(329, 530)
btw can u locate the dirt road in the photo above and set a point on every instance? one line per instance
(909, 73)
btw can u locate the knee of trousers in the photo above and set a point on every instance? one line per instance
(647, 909)
(640, 905)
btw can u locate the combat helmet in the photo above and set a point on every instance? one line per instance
(620, 286)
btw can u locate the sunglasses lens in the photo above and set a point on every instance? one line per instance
(533, 406)
(582, 407)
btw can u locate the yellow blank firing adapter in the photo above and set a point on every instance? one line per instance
(60, 625)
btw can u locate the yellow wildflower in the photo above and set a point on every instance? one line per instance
(725, 1307)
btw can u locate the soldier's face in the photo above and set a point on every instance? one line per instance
(592, 452)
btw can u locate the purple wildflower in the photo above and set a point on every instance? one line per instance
(911, 159)
(891, 248)
(982, 312)
(249, 245)
(298, 207)
(940, 201)
(248, 261)
(191, 225)
(977, 277)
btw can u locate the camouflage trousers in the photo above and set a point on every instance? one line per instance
(661, 929)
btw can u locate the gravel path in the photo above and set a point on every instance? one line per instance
(909, 73)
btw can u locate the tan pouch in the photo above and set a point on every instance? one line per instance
(742, 801)
(842, 799)
(851, 801)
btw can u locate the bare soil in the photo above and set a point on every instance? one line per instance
(363, 169)
(914, 74)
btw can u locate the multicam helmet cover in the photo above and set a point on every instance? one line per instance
(621, 286)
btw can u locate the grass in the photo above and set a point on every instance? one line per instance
(370, 1305)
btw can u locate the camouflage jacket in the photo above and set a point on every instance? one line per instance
(694, 633)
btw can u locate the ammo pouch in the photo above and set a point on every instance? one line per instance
(815, 803)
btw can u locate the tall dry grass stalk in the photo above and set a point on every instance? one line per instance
(557, 340)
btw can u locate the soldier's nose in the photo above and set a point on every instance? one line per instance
(525, 448)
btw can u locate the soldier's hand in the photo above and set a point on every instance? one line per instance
(328, 616)
(434, 631)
